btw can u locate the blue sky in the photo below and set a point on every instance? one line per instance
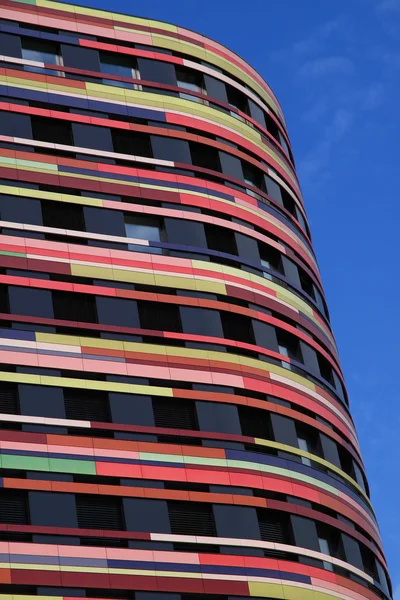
(335, 68)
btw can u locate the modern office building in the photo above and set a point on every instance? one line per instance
(174, 421)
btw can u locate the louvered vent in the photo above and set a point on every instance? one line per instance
(191, 518)
(86, 405)
(174, 414)
(272, 530)
(8, 399)
(13, 508)
(99, 513)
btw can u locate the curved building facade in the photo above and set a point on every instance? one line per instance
(174, 420)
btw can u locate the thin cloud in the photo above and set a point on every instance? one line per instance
(330, 65)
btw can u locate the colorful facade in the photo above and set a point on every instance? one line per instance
(174, 420)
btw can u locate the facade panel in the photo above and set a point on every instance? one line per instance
(174, 420)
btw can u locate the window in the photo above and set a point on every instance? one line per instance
(156, 70)
(303, 445)
(231, 165)
(41, 51)
(159, 316)
(201, 321)
(20, 210)
(15, 124)
(8, 398)
(142, 514)
(220, 239)
(253, 176)
(88, 405)
(46, 509)
(104, 220)
(4, 304)
(174, 413)
(131, 409)
(13, 507)
(274, 527)
(205, 157)
(191, 518)
(117, 311)
(237, 327)
(41, 401)
(10, 45)
(325, 369)
(289, 346)
(169, 148)
(92, 136)
(185, 232)
(131, 142)
(145, 228)
(71, 306)
(63, 215)
(122, 66)
(189, 79)
(216, 89)
(255, 423)
(237, 99)
(273, 189)
(218, 417)
(30, 301)
(236, 521)
(99, 512)
(77, 57)
(54, 131)
(256, 113)
(306, 282)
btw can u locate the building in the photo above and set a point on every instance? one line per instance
(174, 421)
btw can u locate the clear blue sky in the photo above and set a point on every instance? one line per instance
(335, 68)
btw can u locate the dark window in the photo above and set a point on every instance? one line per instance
(253, 176)
(330, 450)
(205, 157)
(306, 283)
(156, 70)
(247, 247)
(289, 345)
(41, 51)
(30, 301)
(236, 521)
(71, 306)
(273, 189)
(305, 533)
(142, 514)
(99, 512)
(174, 413)
(352, 551)
(88, 405)
(191, 518)
(52, 509)
(201, 321)
(309, 358)
(275, 527)
(80, 58)
(256, 113)
(255, 422)
(216, 89)
(325, 369)
(231, 165)
(159, 316)
(272, 127)
(169, 148)
(91, 136)
(291, 271)
(63, 215)
(15, 124)
(4, 304)
(13, 507)
(215, 416)
(131, 409)
(8, 398)
(144, 228)
(270, 258)
(41, 401)
(369, 562)
(284, 430)
(10, 45)
(117, 64)
(20, 210)
(185, 232)
(237, 327)
(104, 220)
(117, 311)
(237, 99)
(265, 335)
(54, 131)
(132, 143)
(220, 239)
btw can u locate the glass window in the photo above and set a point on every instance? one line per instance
(324, 547)
(41, 51)
(143, 228)
(303, 445)
(121, 66)
(190, 80)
